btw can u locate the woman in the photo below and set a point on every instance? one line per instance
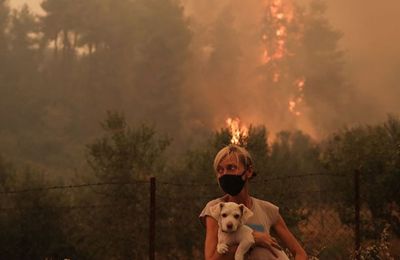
(234, 169)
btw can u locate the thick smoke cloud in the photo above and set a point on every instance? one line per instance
(370, 42)
(228, 85)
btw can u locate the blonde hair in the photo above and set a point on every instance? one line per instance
(241, 153)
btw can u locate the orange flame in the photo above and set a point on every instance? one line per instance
(277, 50)
(238, 132)
(266, 57)
(280, 15)
(294, 102)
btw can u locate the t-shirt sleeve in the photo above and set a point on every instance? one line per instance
(207, 211)
(272, 212)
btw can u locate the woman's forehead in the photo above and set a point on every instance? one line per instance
(231, 158)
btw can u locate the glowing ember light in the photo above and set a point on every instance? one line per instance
(279, 16)
(266, 58)
(278, 47)
(273, 9)
(294, 103)
(292, 108)
(281, 31)
(300, 85)
(239, 132)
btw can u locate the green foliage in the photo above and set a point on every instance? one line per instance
(81, 57)
(31, 221)
(124, 154)
(125, 158)
(60, 71)
(7, 174)
(374, 151)
(293, 153)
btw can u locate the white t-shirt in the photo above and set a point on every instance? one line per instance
(265, 216)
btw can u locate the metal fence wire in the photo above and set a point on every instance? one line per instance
(310, 209)
(158, 219)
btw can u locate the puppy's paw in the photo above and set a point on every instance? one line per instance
(222, 248)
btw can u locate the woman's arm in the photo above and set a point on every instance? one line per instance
(290, 241)
(210, 246)
(265, 240)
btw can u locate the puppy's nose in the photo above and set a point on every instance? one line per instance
(229, 226)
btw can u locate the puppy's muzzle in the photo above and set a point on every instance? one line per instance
(229, 227)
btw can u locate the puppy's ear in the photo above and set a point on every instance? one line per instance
(215, 210)
(246, 213)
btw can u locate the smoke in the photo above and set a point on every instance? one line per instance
(227, 80)
(232, 88)
(34, 5)
(372, 43)
(226, 46)
(223, 75)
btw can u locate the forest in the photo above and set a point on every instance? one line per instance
(97, 96)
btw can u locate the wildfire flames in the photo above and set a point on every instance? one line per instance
(280, 14)
(239, 132)
(279, 20)
(295, 102)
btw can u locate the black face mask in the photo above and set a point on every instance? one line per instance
(231, 183)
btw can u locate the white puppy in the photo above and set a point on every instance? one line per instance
(231, 229)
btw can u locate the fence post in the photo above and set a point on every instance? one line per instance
(357, 214)
(152, 224)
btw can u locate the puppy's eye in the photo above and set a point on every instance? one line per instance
(224, 215)
(236, 216)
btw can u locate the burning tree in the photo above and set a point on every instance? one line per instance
(301, 69)
(282, 67)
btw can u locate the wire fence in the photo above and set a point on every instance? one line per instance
(158, 219)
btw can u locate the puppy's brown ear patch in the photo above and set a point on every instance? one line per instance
(241, 207)
(215, 210)
(246, 213)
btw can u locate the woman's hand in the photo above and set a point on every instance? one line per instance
(265, 240)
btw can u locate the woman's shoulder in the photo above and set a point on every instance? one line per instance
(207, 209)
(214, 202)
(268, 208)
(263, 202)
